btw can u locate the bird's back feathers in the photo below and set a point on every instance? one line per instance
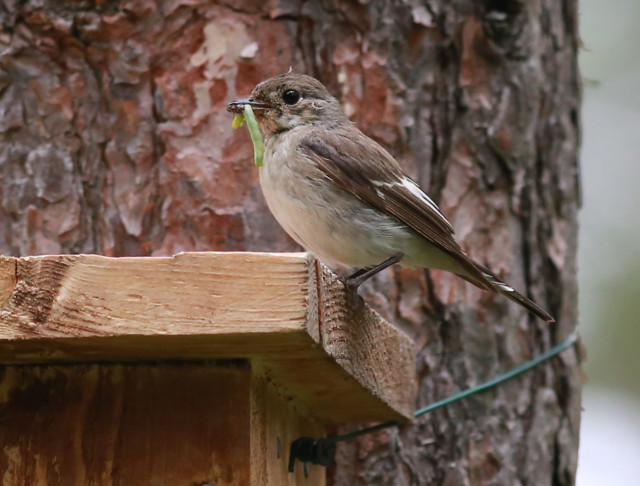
(383, 185)
(360, 166)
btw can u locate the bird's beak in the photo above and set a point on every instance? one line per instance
(238, 105)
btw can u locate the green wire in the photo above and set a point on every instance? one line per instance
(567, 343)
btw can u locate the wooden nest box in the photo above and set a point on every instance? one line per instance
(200, 369)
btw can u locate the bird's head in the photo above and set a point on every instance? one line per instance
(290, 100)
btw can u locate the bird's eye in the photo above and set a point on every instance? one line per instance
(291, 97)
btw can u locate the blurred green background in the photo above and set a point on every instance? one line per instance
(609, 255)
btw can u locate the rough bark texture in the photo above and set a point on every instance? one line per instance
(114, 140)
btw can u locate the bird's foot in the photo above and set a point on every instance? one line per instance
(357, 278)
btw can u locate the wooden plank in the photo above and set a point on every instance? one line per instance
(338, 359)
(137, 424)
(370, 349)
(193, 305)
(188, 294)
(275, 423)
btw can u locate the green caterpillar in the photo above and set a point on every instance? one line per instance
(256, 137)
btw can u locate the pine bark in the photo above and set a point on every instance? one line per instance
(114, 139)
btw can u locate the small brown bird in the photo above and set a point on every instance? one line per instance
(343, 197)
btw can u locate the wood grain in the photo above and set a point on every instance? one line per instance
(189, 294)
(119, 425)
(340, 361)
(276, 422)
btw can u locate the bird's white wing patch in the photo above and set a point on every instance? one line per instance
(498, 283)
(419, 193)
(413, 188)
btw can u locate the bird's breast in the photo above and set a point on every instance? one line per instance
(325, 220)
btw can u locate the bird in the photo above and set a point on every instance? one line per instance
(344, 198)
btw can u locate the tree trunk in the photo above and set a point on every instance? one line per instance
(115, 140)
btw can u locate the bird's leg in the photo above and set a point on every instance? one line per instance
(358, 278)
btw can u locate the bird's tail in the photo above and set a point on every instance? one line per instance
(514, 295)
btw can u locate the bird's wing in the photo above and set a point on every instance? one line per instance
(361, 167)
